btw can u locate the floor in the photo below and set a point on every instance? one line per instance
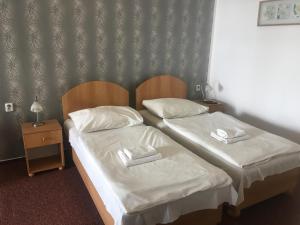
(60, 198)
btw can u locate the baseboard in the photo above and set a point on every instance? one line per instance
(6, 160)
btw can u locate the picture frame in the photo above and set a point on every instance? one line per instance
(279, 12)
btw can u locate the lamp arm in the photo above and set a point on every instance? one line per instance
(203, 92)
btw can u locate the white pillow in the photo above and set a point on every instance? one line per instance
(105, 117)
(169, 108)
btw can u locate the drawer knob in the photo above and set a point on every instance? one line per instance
(43, 139)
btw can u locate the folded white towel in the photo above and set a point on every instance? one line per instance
(229, 140)
(129, 162)
(230, 132)
(140, 152)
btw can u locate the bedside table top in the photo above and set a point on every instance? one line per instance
(212, 106)
(50, 125)
(206, 103)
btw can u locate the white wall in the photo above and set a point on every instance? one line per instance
(256, 70)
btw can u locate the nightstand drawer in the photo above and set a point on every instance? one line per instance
(42, 139)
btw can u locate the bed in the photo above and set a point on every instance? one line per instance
(186, 210)
(253, 183)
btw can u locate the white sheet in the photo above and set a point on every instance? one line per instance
(153, 120)
(178, 174)
(162, 213)
(261, 146)
(242, 177)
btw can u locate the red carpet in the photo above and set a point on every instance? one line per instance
(60, 198)
(54, 197)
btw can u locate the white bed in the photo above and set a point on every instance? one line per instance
(254, 183)
(242, 177)
(178, 189)
(163, 212)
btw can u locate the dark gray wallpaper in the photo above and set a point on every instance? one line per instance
(49, 46)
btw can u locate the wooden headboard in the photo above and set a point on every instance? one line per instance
(163, 86)
(92, 94)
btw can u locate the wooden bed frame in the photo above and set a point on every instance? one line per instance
(164, 86)
(259, 190)
(98, 93)
(92, 94)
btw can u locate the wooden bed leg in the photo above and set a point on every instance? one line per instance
(233, 211)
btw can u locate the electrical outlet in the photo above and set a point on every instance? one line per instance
(9, 107)
(198, 87)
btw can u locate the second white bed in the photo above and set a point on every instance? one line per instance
(199, 141)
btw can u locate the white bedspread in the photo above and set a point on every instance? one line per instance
(242, 177)
(260, 147)
(178, 174)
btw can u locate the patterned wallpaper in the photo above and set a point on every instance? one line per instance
(47, 47)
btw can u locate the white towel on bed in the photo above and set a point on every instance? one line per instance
(139, 152)
(133, 162)
(230, 132)
(229, 140)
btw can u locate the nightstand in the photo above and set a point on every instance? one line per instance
(36, 137)
(213, 106)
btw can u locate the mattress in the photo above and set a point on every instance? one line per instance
(163, 213)
(242, 177)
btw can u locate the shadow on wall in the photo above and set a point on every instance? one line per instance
(267, 126)
(11, 139)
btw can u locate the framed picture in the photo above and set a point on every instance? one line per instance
(279, 12)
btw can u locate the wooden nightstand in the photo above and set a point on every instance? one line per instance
(48, 134)
(213, 106)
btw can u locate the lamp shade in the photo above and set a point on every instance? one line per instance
(36, 107)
